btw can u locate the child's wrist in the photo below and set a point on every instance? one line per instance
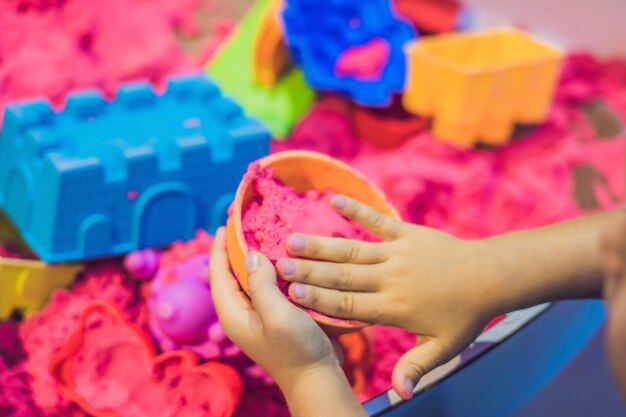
(495, 297)
(301, 378)
(321, 390)
(507, 290)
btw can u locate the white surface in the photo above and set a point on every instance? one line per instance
(511, 323)
(596, 25)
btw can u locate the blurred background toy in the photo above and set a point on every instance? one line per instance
(386, 127)
(234, 67)
(26, 284)
(477, 86)
(142, 264)
(354, 49)
(433, 16)
(271, 57)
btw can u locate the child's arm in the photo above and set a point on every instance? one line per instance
(280, 337)
(442, 288)
(561, 261)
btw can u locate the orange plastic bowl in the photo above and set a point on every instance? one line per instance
(304, 171)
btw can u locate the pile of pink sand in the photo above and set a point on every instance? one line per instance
(48, 47)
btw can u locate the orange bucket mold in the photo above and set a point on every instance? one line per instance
(478, 86)
(304, 171)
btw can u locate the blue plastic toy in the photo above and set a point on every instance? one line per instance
(103, 178)
(318, 33)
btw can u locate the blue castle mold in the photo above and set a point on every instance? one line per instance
(103, 178)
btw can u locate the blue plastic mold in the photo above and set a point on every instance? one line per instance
(102, 178)
(318, 32)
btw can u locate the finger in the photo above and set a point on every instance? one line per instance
(266, 297)
(360, 306)
(414, 364)
(336, 249)
(347, 277)
(231, 304)
(380, 224)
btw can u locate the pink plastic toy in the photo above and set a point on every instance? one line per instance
(181, 311)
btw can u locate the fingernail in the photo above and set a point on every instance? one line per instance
(299, 291)
(409, 386)
(339, 202)
(251, 262)
(297, 244)
(287, 266)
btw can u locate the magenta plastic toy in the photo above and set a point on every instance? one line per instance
(142, 264)
(182, 312)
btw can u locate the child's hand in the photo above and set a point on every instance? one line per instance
(277, 335)
(418, 279)
(280, 337)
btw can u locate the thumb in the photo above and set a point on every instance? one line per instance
(264, 293)
(413, 365)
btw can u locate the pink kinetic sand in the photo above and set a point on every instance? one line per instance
(277, 210)
(11, 349)
(15, 396)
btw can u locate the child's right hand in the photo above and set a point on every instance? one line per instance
(418, 279)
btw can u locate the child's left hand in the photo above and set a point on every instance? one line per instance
(274, 333)
(280, 337)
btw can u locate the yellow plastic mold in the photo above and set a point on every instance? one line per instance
(25, 284)
(477, 86)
